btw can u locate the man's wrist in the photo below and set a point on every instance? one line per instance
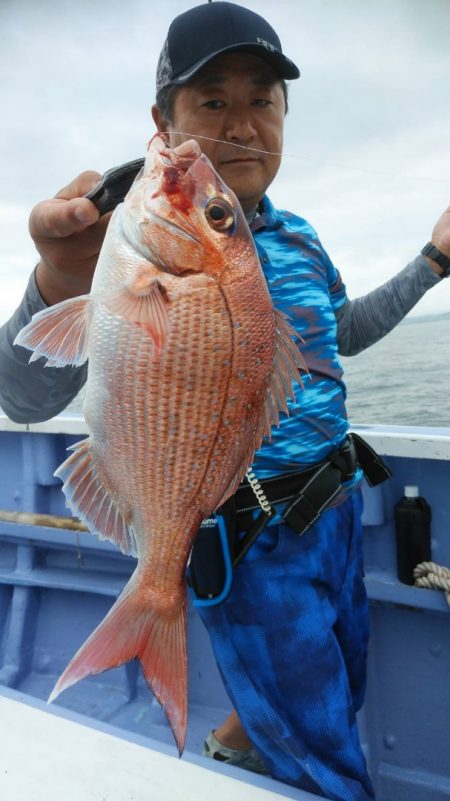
(55, 286)
(438, 261)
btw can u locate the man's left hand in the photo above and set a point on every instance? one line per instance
(440, 238)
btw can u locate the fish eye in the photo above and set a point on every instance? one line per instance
(219, 213)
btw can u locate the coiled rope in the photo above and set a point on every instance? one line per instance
(433, 577)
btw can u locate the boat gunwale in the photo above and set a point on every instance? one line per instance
(388, 440)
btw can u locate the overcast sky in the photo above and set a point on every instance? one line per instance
(367, 155)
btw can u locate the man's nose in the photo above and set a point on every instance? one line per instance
(239, 126)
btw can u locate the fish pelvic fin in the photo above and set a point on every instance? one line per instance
(143, 301)
(91, 501)
(59, 333)
(136, 629)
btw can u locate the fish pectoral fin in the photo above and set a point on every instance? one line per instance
(132, 629)
(59, 333)
(143, 301)
(89, 499)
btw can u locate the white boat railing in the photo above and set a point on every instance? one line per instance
(407, 441)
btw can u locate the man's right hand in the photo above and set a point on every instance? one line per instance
(68, 233)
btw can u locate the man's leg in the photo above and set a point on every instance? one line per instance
(352, 625)
(231, 733)
(281, 660)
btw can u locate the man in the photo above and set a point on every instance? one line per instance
(291, 638)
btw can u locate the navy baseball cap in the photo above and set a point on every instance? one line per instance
(202, 33)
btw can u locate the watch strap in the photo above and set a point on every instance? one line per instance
(440, 258)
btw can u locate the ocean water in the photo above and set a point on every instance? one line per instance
(404, 379)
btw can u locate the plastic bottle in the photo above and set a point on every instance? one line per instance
(413, 538)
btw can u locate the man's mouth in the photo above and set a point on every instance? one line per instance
(241, 160)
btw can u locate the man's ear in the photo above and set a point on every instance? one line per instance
(161, 123)
(158, 119)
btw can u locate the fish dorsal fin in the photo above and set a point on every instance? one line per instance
(142, 300)
(91, 501)
(287, 362)
(60, 333)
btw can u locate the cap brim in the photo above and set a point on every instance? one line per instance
(283, 66)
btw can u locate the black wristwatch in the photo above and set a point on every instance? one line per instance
(437, 256)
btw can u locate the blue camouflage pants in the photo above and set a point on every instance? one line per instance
(290, 642)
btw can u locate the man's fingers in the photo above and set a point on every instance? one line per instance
(68, 212)
(80, 185)
(59, 218)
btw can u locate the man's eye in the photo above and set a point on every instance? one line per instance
(262, 102)
(214, 104)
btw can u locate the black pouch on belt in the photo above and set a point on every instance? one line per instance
(213, 553)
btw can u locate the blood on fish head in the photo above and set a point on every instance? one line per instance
(180, 212)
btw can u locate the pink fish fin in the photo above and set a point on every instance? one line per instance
(60, 333)
(288, 358)
(89, 498)
(143, 301)
(287, 363)
(134, 629)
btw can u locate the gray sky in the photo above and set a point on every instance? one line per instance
(367, 156)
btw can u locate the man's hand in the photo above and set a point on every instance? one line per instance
(441, 233)
(440, 238)
(68, 233)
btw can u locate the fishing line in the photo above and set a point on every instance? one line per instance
(364, 170)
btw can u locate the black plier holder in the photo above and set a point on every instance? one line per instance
(114, 185)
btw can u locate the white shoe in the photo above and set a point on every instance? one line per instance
(248, 759)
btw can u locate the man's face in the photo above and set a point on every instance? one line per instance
(239, 99)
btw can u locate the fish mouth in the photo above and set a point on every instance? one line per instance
(180, 160)
(180, 156)
(141, 247)
(133, 240)
(173, 226)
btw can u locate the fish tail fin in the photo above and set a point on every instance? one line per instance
(156, 636)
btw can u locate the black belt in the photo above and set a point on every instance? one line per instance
(306, 494)
(308, 491)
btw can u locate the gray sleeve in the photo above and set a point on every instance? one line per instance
(32, 392)
(363, 321)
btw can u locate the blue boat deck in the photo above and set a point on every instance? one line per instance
(56, 585)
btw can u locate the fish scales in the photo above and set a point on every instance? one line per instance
(189, 365)
(166, 428)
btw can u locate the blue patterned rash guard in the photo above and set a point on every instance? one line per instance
(305, 285)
